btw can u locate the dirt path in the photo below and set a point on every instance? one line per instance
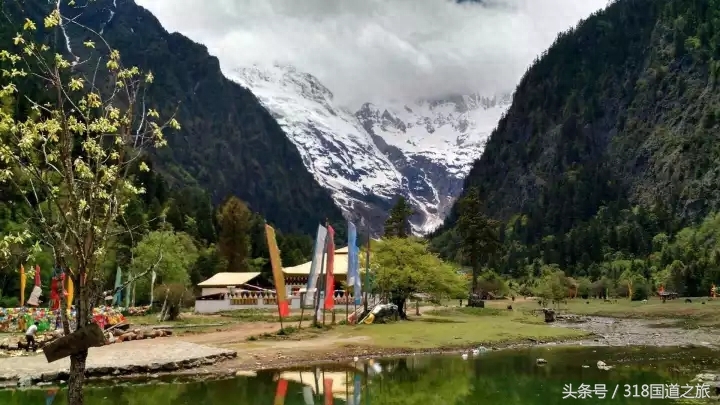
(236, 334)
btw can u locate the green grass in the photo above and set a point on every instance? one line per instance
(676, 312)
(447, 328)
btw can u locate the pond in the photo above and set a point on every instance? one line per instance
(495, 377)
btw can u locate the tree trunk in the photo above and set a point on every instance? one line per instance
(400, 302)
(76, 380)
(76, 395)
(473, 289)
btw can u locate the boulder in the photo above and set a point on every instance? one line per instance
(549, 315)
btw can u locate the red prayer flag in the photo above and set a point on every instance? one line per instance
(330, 276)
(282, 386)
(327, 389)
(37, 275)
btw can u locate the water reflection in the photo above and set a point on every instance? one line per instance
(511, 377)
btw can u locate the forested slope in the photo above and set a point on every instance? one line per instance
(612, 139)
(229, 144)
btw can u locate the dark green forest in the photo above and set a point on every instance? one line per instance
(607, 164)
(228, 145)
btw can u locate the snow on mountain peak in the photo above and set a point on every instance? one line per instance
(422, 150)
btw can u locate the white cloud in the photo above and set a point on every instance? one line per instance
(366, 50)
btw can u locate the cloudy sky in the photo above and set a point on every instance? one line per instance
(373, 50)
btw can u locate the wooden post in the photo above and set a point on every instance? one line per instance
(302, 309)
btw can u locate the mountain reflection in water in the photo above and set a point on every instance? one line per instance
(507, 377)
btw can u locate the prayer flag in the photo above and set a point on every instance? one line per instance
(315, 266)
(278, 277)
(281, 392)
(327, 390)
(118, 284)
(70, 291)
(22, 285)
(330, 276)
(354, 264)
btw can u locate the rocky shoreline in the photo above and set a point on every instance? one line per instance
(140, 358)
(209, 362)
(638, 332)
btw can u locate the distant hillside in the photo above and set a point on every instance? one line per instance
(623, 110)
(229, 143)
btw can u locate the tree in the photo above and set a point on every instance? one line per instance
(398, 222)
(403, 267)
(480, 235)
(173, 266)
(68, 154)
(553, 286)
(234, 218)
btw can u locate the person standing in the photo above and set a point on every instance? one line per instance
(30, 336)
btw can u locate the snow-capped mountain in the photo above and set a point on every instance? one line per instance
(368, 158)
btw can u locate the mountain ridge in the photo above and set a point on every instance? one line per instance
(368, 158)
(594, 124)
(229, 143)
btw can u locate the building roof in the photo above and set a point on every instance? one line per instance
(339, 267)
(228, 279)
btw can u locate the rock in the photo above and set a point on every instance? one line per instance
(706, 377)
(541, 361)
(25, 381)
(602, 366)
(49, 376)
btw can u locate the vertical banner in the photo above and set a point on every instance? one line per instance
(70, 292)
(278, 277)
(327, 390)
(357, 388)
(352, 241)
(152, 286)
(50, 396)
(281, 392)
(308, 395)
(315, 266)
(22, 285)
(118, 283)
(354, 264)
(330, 274)
(127, 290)
(34, 299)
